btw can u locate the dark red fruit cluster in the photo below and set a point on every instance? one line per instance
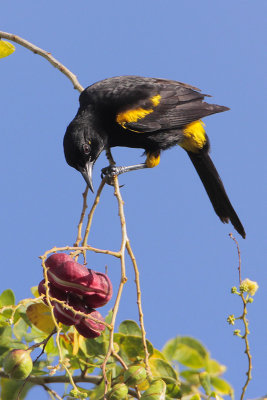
(79, 287)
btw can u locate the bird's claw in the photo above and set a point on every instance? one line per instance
(109, 172)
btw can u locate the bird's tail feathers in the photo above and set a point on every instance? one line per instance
(215, 189)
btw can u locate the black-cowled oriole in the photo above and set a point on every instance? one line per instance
(152, 114)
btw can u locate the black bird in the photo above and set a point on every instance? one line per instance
(152, 114)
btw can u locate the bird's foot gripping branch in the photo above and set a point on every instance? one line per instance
(80, 347)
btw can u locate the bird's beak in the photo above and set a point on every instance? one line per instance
(87, 174)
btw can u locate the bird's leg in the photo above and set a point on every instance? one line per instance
(113, 170)
(109, 172)
(109, 157)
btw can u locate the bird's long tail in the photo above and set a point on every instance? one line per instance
(215, 189)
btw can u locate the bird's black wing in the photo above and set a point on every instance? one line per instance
(148, 104)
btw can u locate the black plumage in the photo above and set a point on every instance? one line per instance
(152, 114)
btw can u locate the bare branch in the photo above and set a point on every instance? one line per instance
(37, 50)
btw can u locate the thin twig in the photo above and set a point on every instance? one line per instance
(116, 355)
(44, 343)
(122, 282)
(81, 249)
(79, 235)
(139, 304)
(37, 50)
(91, 213)
(39, 380)
(245, 322)
(51, 392)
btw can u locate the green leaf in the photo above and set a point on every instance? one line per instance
(6, 48)
(20, 329)
(215, 368)
(98, 392)
(34, 291)
(174, 391)
(17, 316)
(195, 397)
(158, 354)
(204, 378)
(187, 351)
(3, 351)
(191, 376)
(51, 349)
(221, 385)
(130, 327)
(10, 389)
(5, 335)
(162, 369)
(7, 297)
(94, 347)
(109, 317)
(5, 317)
(132, 346)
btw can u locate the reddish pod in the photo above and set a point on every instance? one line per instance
(57, 259)
(67, 316)
(89, 328)
(53, 291)
(100, 290)
(70, 276)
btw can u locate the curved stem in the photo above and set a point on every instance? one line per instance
(43, 53)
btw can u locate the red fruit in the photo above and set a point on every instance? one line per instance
(65, 315)
(100, 290)
(53, 291)
(70, 276)
(89, 328)
(56, 259)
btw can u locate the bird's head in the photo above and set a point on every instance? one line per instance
(82, 146)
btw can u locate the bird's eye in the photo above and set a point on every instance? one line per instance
(86, 148)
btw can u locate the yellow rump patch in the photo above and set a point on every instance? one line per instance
(153, 159)
(194, 137)
(138, 113)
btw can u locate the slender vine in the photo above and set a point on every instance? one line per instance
(250, 287)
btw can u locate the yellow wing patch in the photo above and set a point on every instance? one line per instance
(156, 100)
(194, 137)
(132, 115)
(135, 114)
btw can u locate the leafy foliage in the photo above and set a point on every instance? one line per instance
(183, 369)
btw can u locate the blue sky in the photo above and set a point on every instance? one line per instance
(187, 261)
